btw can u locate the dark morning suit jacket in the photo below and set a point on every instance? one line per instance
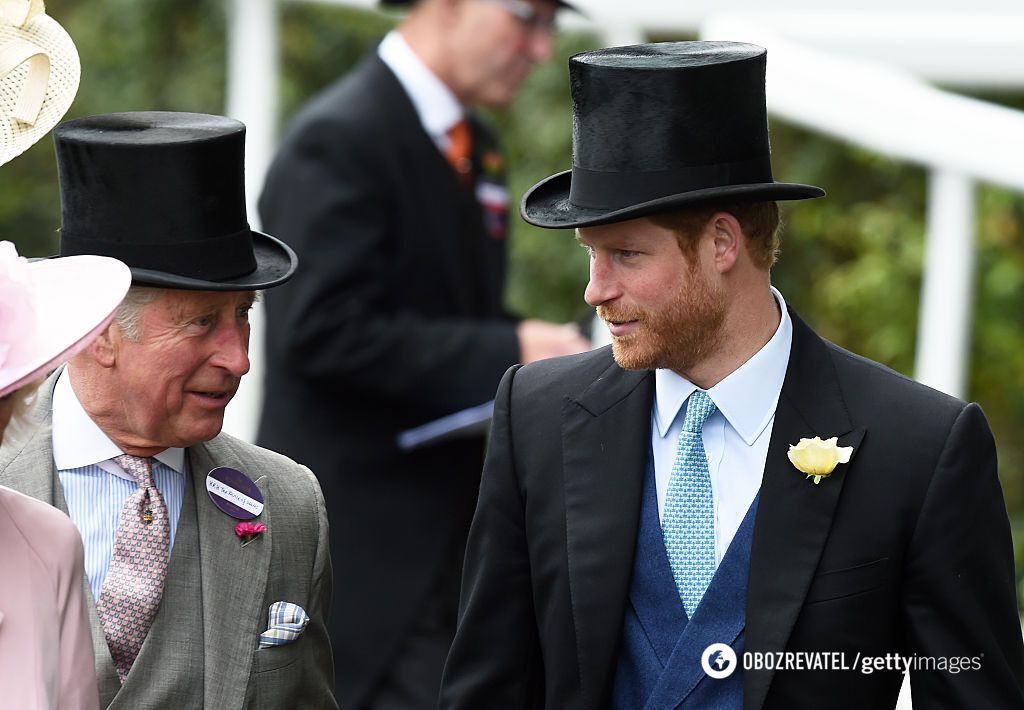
(906, 549)
(203, 648)
(394, 319)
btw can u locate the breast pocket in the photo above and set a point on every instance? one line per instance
(848, 581)
(275, 657)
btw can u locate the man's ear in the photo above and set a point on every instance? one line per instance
(104, 348)
(727, 237)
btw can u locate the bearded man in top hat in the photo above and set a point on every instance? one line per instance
(392, 192)
(720, 479)
(187, 610)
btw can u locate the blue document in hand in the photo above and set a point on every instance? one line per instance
(467, 422)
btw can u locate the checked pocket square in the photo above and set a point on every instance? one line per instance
(287, 622)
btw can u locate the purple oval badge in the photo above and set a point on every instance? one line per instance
(234, 493)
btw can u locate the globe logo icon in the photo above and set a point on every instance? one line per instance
(718, 661)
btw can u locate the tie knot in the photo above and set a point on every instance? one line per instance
(140, 468)
(698, 408)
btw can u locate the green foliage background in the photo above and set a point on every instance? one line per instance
(851, 263)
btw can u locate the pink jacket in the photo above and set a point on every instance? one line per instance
(46, 656)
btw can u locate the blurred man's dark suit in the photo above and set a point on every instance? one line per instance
(395, 319)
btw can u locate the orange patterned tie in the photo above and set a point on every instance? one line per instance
(460, 150)
(135, 583)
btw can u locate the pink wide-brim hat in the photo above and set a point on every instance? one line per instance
(50, 310)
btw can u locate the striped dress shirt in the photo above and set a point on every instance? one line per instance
(95, 487)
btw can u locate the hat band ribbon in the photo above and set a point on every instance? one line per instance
(30, 100)
(604, 190)
(18, 12)
(211, 259)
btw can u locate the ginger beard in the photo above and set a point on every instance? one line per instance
(677, 337)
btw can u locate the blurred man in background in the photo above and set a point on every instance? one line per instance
(392, 193)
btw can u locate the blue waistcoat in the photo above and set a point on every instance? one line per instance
(659, 662)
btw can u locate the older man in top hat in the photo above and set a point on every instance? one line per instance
(392, 191)
(720, 480)
(207, 558)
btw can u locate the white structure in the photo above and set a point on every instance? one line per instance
(877, 97)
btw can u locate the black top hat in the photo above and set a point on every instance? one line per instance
(165, 194)
(659, 126)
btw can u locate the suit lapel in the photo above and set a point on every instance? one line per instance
(177, 625)
(107, 680)
(794, 515)
(430, 167)
(31, 471)
(719, 618)
(663, 623)
(28, 467)
(234, 580)
(605, 434)
(490, 182)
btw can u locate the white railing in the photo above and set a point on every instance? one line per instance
(887, 109)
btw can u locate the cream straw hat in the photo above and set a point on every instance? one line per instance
(50, 309)
(39, 72)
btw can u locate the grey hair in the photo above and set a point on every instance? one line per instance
(129, 313)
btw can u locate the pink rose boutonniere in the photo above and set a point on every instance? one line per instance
(249, 531)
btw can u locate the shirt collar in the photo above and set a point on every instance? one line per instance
(747, 397)
(436, 105)
(79, 442)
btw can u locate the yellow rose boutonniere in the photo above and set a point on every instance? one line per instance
(817, 457)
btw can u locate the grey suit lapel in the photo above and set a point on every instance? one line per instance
(28, 466)
(106, 674)
(178, 626)
(234, 580)
(605, 434)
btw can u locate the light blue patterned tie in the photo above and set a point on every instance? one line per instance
(688, 523)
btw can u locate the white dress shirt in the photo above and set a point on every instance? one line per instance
(95, 487)
(435, 103)
(735, 436)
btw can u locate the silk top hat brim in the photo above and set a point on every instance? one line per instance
(51, 309)
(275, 264)
(547, 203)
(662, 126)
(165, 193)
(39, 75)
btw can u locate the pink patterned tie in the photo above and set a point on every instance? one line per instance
(135, 583)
